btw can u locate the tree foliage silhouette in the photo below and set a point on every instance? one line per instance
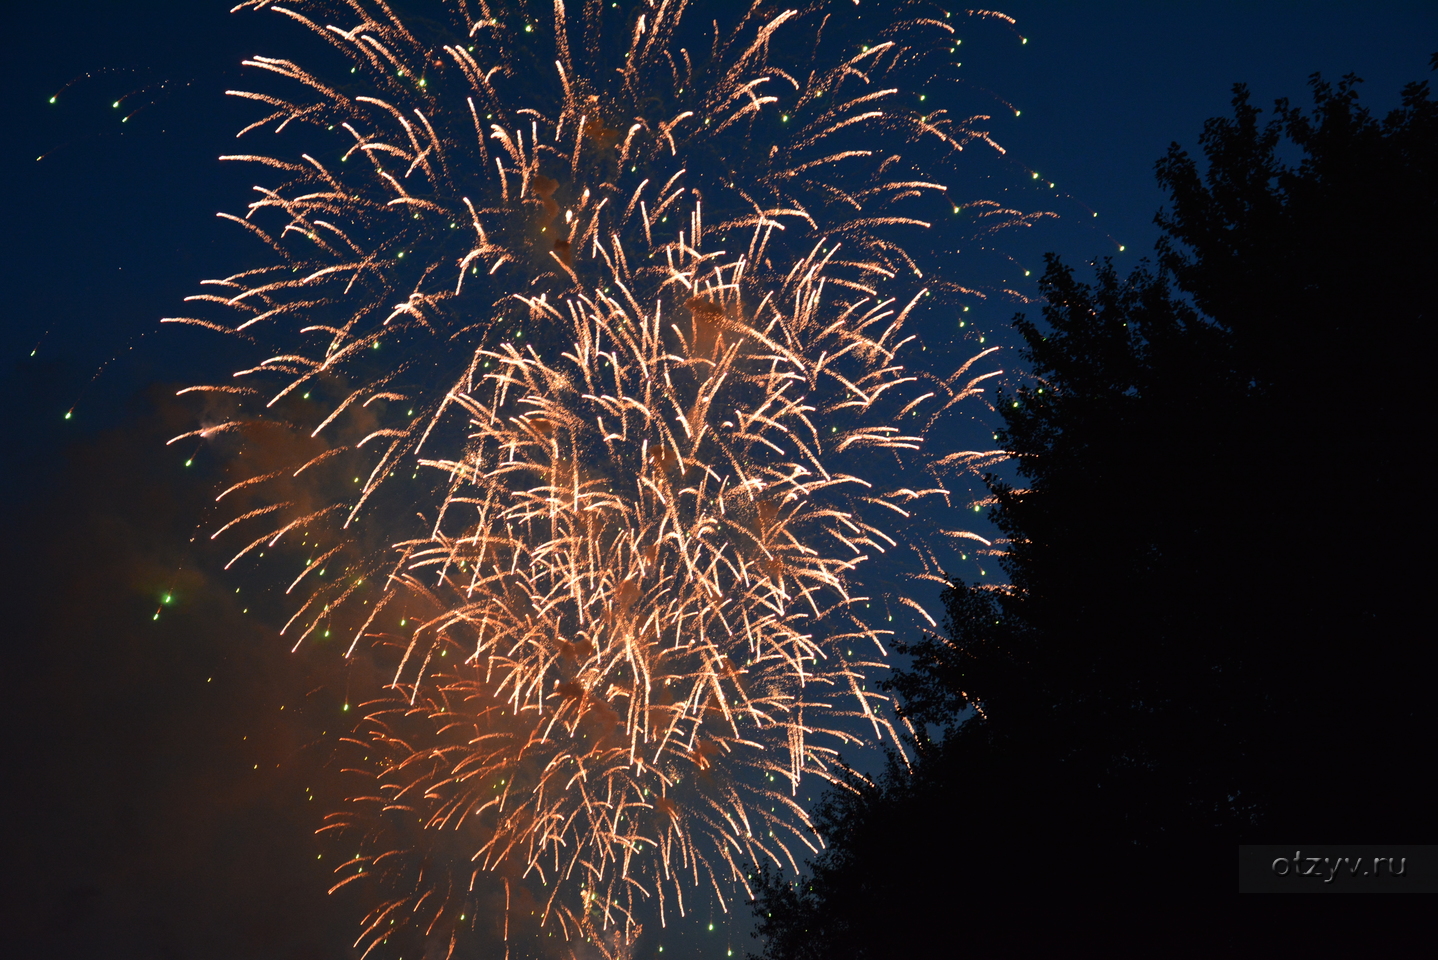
(1214, 628)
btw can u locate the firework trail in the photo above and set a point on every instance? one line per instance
(583, 402)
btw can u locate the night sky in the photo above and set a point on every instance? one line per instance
(164, 778)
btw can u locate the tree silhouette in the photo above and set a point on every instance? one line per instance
(1216, 622)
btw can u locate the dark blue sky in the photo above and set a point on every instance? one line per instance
(147, 841)
(1104, 86)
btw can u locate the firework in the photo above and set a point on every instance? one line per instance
(583, 399)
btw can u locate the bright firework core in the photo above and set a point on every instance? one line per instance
(585, 402)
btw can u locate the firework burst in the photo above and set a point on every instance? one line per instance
(582, 397)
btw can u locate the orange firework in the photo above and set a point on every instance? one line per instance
(588, 411)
